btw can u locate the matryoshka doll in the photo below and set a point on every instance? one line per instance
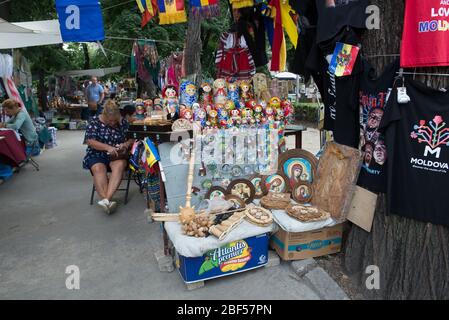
(189, 94)
(220, 94)
(212, 118)
(140, 112)
(223, 117)
(275, 102)
(247, 115)
(235, 117)
(148, 106)
(258, 113)
(200, 116)
(251, 104)
(233, 92)
(187, 114)
(245, 91)
(206, 94)
(280, 114)
(229, 105)
(269, 113)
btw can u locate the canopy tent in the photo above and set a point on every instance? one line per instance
(287, 76)
(29, 34)
(90, 72)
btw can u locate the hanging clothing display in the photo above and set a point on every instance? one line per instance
(334, 15)
(175, 69)
(252, 26)
(145, 61)
(417, 137)
(278, 46)
(233, 59)
(205, 8)
(171, 11)
(374, 93)
(425, 26)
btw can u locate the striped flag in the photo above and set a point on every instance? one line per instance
(343, 59)
(205, 8)
(148, 8)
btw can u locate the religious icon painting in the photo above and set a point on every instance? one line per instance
(277, 183)
(302, 192)
(298, 165)
(215, 192)
(242, 188)
(256, 180)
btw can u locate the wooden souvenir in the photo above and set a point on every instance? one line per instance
(337, 175)
(298, 165)
(199, 226)
(306, 213)
(242, 188)
(275, 201)
(236, 200)
(302, 192)
(256, 180)
(224, 228)
(182, 125)
(277, 183)
(215, 192)
(259, 216)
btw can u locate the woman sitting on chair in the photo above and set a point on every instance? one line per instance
(107, 150)
(19, 121)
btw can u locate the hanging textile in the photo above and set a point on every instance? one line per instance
(148, 9)
(233, 59)
(205, 8)
(171, 11)
(289, 24)
(237, 4)
(278, 47)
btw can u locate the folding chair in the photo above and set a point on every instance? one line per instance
(127, 176)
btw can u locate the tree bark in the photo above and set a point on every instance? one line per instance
(86, 56)
(412, 256)
(192, 51)
(42, 92)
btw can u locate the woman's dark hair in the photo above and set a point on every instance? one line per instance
(128, 110)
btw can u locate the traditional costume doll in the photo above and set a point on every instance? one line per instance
(170, 96)
(245, 91)
(247, 115)
(229, 105)
(279, 114)
(212, 119)
(233, 92)
(287, 106)
(220, 95)
(140, 112)
(148, 106)
(251, 104)
(206, 94)
(200, 116)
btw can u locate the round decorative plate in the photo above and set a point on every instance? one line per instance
(302, 192)
(242, 188)
(215, 192)
(256, 180)
(181, 124)
(298, 165)
(277, 183)
(236, 171)
(238, 202)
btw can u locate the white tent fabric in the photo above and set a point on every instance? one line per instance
(90, 72)
(29, 34)
(286, 76)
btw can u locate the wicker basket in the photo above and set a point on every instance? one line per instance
(275, 201)
(259, 216)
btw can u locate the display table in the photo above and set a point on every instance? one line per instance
(12, 151)
(295, 130)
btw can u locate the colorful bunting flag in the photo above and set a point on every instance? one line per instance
(205, 8)
(148, 8)
(343, 59)
(238, 4)
(171, 11)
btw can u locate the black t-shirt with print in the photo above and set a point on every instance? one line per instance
(373, 97)
(417, 137)
(334, 15)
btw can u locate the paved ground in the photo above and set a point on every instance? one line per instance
(47, 224)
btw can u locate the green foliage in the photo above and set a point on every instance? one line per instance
(306, 111)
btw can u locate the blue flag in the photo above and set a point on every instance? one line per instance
(80, 20)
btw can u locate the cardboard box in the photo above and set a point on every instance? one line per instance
(303, 245)
(234, 257)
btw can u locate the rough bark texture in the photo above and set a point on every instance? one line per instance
(86, 56)
(192, 52)
(413, 257)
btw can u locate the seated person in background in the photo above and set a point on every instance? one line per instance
(19, 121)
(107, 148)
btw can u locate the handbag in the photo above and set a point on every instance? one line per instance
(122, 154)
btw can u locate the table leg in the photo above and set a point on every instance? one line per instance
(298, 140)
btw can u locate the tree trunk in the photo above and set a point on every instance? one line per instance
(412, 256)
(192, 51)
(86, 56)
